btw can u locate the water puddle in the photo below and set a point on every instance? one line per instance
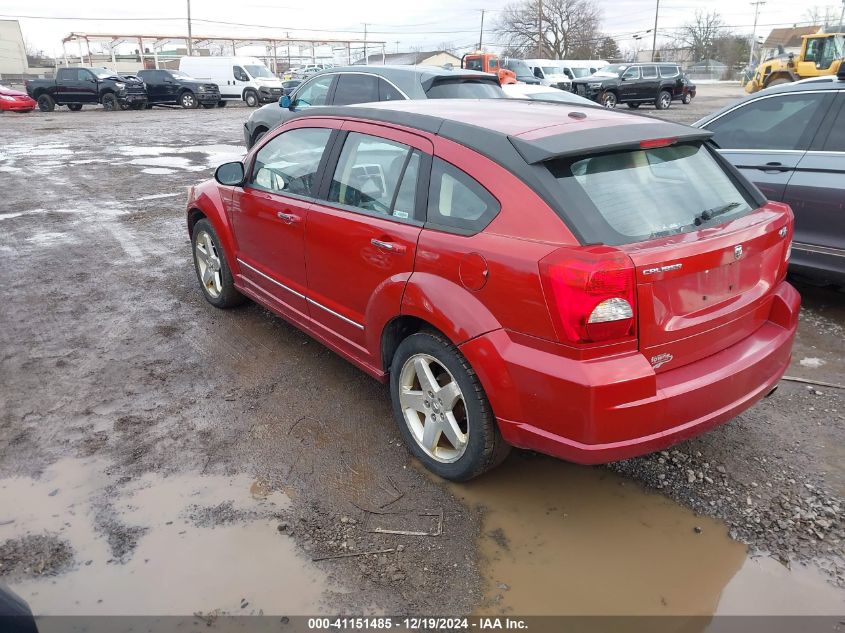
(201, 544)
(560, 539)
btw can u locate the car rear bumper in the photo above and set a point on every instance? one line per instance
(613, 408)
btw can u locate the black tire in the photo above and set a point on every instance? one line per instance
(74, 107)
(229, 296)
(251, 98)
(687, 99)
(46, 103)
(208, 106)
(664, 100)
(188, 100)
(608, 99)
(125, 105)
(258, 135)
(485, 446)
(221, 104)
(633, 105)
(110, 103)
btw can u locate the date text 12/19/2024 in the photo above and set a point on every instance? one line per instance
(416, 623)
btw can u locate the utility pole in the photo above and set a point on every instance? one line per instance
(366, 55)
(189, 30)
(654, 37)
(842, 17)
(397, 46)
(540, 28)
(287, 37)
(754, 31)
(481, 32)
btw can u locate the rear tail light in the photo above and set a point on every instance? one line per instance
(591, 293)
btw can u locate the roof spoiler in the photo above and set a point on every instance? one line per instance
(605, 139)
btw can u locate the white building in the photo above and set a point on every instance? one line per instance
(12, 49)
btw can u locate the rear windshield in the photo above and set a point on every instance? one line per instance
(632, 196)
(464, 89)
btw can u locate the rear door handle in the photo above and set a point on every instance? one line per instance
(391, 247)
(288, 218)
(773, 167)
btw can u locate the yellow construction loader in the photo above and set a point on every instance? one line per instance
(821, 54)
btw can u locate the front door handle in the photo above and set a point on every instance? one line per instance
(288, 218)
(391, 247)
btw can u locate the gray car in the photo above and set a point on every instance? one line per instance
(363, 84)
(789, 140)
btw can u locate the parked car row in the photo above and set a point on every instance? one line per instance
(636, 84)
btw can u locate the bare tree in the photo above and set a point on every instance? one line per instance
(701, 34)
(821, 15)
(569, 27)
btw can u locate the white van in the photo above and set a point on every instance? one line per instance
(238, 78)
(577, 68)
(550, 73)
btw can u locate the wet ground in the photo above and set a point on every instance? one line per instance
(145, 435)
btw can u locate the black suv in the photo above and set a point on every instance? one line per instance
(635, 84)
(172, 86)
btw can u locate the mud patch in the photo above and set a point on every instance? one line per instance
(222, 514)
(33, 556)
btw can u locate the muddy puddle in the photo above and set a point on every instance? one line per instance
(157, 545)
(559, 539)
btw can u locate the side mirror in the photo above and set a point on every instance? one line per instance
(285, 102)
(230, 174)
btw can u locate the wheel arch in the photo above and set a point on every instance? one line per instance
(209, 206)
(246, 90)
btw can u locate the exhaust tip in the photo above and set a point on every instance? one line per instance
(775, 388)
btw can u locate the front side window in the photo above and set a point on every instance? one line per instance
(259, 71)
(632, 196)
(649, 72)
(354, 88)
(494, 64)
(289, 163)
(369, 173)
(240, 74)
(632, 73)
(83, 75)
(473, 64)
(458, 201)
(778, 122)
(314, 93)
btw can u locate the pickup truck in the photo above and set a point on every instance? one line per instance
(173, 86)
(74, 87)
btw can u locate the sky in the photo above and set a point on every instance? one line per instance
(403, 25)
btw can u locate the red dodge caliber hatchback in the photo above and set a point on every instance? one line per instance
(585, 283)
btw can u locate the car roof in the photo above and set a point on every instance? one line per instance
(538, 131)
(799, 86)
(423, 72)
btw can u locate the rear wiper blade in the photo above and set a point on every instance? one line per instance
(709, 214)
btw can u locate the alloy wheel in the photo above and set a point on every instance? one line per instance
(433, 407)
(208, 264)
(188, 100)
(665, 100)
(609, 100)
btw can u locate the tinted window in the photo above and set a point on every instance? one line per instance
(778, 122)
(354, 88)
(632, 73)
(240, 75)
(667, 72)
(368, 174)
(314, 93)
(66, 74)
(649, 72)
(289, 162)
(836, 139)
(464, 89)
(386, 92)
(456, 200)
(406, 197)
(616, 193)
(473, 64)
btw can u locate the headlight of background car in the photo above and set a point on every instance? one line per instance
(119, 85)
(201, 89)
(7, 98)
(594, 85)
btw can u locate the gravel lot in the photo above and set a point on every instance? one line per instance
(143, 432)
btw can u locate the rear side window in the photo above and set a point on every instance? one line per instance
(354, 88)
(386, 92)
(633, 196)
(836, 139)
(371, 175)
(785, 121)
(464, 89)
(457, 201)
(66, 74)
(667, 72)
(649, 72)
